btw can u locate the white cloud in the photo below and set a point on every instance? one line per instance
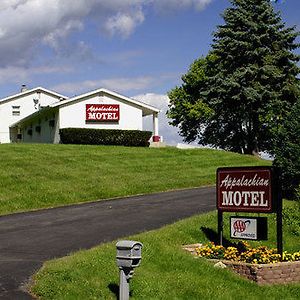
(55, 36)
(169, 133)
(17, 74)
(25, 25)
(124, 24)
(116, 84)
(4, 4)
(126, 84)
(178, 5)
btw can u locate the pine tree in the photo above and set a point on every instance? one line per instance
(249, 86)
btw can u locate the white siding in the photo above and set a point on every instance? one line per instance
(27, 107)
(66, 114)
(47, 134)
(74, 114)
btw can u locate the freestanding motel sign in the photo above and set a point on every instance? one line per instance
(249, 190)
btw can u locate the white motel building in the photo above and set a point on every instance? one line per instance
(36, 115)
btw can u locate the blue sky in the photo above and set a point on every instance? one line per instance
(139, 48)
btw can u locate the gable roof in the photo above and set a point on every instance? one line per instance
(146, 108)
(32, 91)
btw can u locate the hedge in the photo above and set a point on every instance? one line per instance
(87, 136)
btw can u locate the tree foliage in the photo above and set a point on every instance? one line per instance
(236, 96)
(287, 152)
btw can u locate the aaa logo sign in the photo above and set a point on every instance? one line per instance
(242, 228)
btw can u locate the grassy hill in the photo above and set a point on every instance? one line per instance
(39, 176)
(166, 271)
(36, 176)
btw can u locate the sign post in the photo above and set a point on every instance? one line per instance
(249, 190)
(279, 225)
(220, 226)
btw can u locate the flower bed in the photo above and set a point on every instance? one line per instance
(244, 253)
(260, 265)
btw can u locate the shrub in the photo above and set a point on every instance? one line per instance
(105, 137)
(291, 219)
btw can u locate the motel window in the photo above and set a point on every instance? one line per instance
(16, 110)
(38, 128)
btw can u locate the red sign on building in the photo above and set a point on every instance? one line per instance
(102, 112)
(245, 189)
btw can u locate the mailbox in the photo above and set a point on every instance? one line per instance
(129, 254)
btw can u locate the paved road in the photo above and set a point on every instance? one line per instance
(29, 239)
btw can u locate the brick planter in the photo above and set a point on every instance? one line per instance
(278, 273)
(285, 272)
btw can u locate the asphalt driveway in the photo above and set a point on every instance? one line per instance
(29, 239)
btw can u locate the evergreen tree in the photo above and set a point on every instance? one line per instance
(248, 82)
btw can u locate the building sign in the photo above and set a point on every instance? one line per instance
(248, 228)
(245, 189)
(249, 190)
(102, 112)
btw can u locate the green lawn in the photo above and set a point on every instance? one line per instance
(166, 271)
(36, 176)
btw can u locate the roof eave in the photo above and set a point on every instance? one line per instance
(28, 92)
(32, 116)
(106, 91)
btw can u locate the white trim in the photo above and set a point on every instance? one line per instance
(147, 109)
(105, 91)
(28, 92)
(155, 124)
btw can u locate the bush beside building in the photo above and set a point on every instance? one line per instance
(87, 136)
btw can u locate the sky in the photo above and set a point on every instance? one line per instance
(138, 48)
